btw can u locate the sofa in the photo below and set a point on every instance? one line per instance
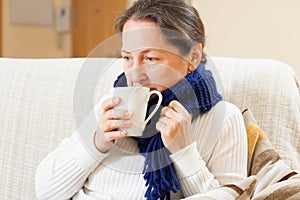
(43, 101)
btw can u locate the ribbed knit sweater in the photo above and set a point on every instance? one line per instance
(75, 169)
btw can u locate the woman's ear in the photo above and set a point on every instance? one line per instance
(195, 55)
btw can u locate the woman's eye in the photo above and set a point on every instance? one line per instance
(151, 59)
(126, 58)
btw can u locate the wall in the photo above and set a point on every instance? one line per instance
(34, 41)
(254, 29)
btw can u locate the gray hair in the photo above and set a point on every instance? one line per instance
(176, 16)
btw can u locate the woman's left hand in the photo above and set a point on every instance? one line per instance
(174, 125)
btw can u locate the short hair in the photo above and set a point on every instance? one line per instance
(176, 16)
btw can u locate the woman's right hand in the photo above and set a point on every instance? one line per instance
(110, 123)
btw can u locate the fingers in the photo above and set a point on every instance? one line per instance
(169, 120)
(174, 125)
(176, 106)
(160, 125)
(104, 142)
(175, 111)
(113, 119)
(117, 114)
(113, 129)
(111, 125)
(172, 118)
(110, 130)
(110, 103)
(111, 136)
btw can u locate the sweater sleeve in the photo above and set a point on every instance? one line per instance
(227, 162)
(64, 170)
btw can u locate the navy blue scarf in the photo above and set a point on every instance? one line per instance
(197, 93)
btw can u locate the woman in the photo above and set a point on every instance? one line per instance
(196, 142)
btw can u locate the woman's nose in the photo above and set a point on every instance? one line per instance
(139, 75)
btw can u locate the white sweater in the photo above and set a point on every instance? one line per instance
(76, 169)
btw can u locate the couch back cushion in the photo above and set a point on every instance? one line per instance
(270, 89)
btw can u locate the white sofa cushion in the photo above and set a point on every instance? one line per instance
(270, 89)
(43, 100)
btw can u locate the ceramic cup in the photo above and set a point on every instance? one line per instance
(135, 100)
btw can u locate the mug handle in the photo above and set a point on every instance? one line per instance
(156, 107)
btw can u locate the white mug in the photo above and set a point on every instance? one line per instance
(135, 100)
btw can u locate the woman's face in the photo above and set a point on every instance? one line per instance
(149, 60)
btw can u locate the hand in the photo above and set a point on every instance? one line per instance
(110, 123)
(175, 125)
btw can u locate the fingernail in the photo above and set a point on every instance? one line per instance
(116, 100)
(126, 114)
(123, 132)
(127, 122)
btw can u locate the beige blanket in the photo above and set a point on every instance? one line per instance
(274, 178)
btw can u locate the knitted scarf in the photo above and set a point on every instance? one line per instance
(197, 93)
